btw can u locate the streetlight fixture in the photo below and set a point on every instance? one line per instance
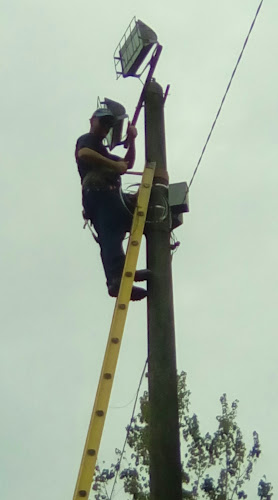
(114, 137)
(133, 48)
(135, 45)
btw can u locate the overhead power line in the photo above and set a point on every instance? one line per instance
(225, 95)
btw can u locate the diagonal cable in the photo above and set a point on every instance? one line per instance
(225, 95)
(128, 430)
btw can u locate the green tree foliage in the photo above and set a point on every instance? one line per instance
(215, 467)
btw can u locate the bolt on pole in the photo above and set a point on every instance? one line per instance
(165, 463)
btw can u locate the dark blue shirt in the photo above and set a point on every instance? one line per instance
(96, 175)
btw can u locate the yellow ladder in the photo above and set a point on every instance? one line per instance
(89, 458)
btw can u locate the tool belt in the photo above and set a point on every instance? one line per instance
(103, 189)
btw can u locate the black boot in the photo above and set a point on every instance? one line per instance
(137, 293)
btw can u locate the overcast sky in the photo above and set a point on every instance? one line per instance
(56, 59)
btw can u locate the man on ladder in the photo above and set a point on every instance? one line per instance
(100, 174)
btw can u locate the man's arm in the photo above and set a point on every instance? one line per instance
(130, 155)
(92, 158)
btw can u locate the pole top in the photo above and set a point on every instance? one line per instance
(154, 87)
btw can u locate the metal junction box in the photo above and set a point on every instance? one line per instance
(178, 202)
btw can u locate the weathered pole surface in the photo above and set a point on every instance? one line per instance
(165, 465)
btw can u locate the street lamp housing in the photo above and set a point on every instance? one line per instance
(114, 136)
(133, 48)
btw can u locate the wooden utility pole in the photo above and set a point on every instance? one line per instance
(165, 464)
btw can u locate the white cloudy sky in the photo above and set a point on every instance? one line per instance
(56, 58)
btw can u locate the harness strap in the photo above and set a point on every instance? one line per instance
(88, 223)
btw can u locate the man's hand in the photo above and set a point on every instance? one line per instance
(130, 144)
(131, 133)
(121, 167)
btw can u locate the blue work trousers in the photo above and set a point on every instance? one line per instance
(111, 221)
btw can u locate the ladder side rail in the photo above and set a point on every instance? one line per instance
(92, 444)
